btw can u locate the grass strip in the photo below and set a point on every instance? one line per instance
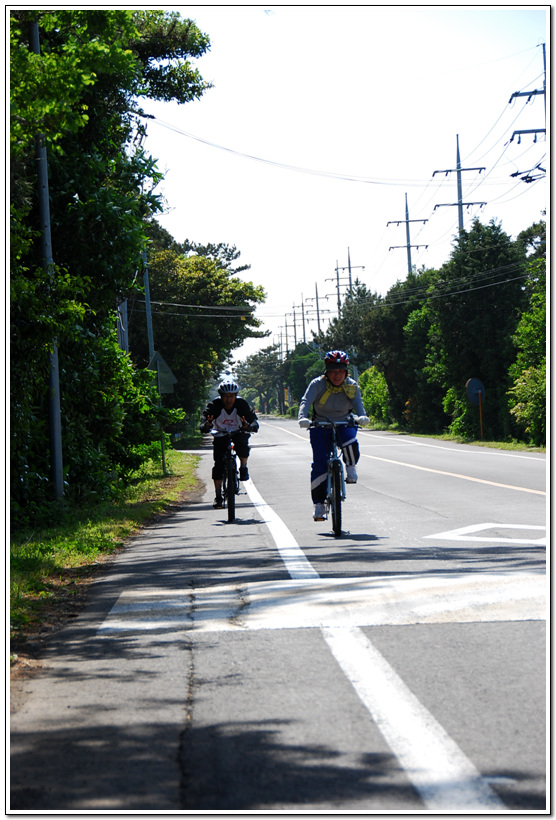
(52, 567)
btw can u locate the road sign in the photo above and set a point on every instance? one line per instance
(166, 379)
(475, 391)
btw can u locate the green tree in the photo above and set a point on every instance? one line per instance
(301, 366)
(473, 311)
(261, 373)
(398, 349)
(527, 394)
(533, 240)
(200, 313)
(346, 332)
(81, 94)
(374, 392)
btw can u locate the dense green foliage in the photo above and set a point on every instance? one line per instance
(482, 315)
(79, 96)
(527, 396)
(200, 312)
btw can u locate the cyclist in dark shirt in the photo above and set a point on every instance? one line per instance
(229, 413)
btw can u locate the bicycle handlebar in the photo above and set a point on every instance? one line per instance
(352, 422)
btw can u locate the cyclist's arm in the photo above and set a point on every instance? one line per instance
(207, 417)
(247, 415)
(308, 399)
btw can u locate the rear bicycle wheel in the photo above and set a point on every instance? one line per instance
(231, 488)
(336, 498)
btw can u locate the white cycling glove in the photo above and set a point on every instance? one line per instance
(305, 423)
(363, 420)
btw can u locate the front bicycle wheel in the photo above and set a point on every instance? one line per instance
(336, 498)
(231, 489)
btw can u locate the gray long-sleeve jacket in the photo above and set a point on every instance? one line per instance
(322, 400)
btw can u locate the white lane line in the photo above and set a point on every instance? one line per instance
(483, 451)
(291, 553)
(444, 777)
(455, 475)
(441, 773)
(285, 430)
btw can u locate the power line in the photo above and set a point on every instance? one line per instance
(286, 166)
(237, 308)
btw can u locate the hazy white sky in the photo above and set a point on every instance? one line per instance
(365, 102)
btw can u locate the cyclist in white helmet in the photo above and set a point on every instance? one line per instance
(229, 413)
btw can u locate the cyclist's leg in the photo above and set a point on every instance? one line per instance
(349, 444)
(241, 444)
(320, 443)
(350, 451)
(218, 450)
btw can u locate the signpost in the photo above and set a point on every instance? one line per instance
(165, 383)
(475, 394)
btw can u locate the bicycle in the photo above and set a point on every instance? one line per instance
(335, 481)
(230, 478)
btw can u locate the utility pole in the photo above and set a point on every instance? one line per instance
(286, 329)
(150, 338)
(338, 277)
(294, 328)
(302, 306)
(123, 339)
(527, 175)
(349, 268)
(407, 220)
(318, 310)
(55, 414)
(459, 203)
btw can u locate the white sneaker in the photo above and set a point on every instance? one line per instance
(320, 512)
(351, 474)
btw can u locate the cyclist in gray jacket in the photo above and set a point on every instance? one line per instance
(334, 395)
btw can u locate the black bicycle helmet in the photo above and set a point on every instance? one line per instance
(335, 360)
(227, 387)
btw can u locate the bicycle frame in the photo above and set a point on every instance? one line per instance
(230, 478)
(335, 481)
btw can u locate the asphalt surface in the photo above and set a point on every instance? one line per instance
(265, 666)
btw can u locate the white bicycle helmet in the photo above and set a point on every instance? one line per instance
(227, 387)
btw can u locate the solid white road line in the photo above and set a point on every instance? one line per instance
(292, 555)
(442, 774)
(432, 761)
(455, 475)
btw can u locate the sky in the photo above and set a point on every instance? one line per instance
(320, 122)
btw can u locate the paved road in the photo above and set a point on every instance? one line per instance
(266, 666)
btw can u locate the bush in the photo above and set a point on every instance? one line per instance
(528, 403)
(375, 394)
